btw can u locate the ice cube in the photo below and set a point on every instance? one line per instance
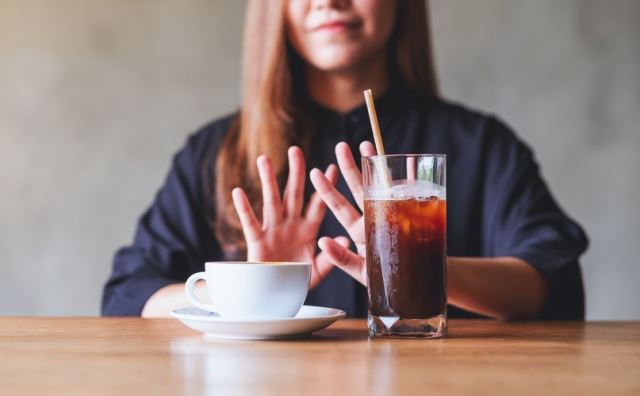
(417, 189)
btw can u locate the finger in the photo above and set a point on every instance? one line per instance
(316, 208)
(367, 149)
(346, 214)
(250, 225)
(342, 240)
(271, 204)
(294, 191)
(338, 253)
(350, 172)
(323, 264)
(332, 174)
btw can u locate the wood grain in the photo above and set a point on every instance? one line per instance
(161, 356)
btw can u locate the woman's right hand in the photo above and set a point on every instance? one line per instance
(288, 231)
(351, 219)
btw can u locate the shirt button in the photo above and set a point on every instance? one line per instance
(354, 119)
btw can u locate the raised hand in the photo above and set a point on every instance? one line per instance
(351, 219)
(287, 233)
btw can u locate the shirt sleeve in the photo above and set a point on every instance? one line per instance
(522, 219)
(172, 240)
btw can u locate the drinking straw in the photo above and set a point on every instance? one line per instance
(373, 117)
(377, 137)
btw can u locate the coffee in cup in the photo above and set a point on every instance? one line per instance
(252, 290)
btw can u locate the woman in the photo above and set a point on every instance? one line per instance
(512, 252)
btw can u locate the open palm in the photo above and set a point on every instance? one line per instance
(351, 218)
(287, 232)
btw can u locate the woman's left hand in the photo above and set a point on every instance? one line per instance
(287, 233)
(351, 218)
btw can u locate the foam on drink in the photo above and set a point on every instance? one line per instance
(407, 189)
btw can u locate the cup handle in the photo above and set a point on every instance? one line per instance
(191, 296)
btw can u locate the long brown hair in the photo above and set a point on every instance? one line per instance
(268, 120)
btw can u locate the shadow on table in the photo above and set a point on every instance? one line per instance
(331, 335)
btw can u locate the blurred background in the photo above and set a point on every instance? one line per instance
(96, 96)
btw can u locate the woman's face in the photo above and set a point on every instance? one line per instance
(335, 35)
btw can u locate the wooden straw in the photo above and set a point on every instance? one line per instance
(384, 175)
(373, 117)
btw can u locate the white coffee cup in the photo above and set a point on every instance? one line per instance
(256, 290)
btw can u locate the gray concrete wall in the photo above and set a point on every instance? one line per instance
(95, 97)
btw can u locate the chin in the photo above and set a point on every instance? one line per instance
(333, 66)
(337, 60)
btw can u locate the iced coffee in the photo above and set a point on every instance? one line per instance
(405, 210)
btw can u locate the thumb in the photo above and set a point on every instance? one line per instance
(338, 253)
(323, 264)
(343, 241)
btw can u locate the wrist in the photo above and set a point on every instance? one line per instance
(453, 282)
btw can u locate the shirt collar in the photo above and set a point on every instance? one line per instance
(386, 104)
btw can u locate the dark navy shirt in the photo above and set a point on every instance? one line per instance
(498, 205)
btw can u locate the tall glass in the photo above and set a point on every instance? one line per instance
(405, 215)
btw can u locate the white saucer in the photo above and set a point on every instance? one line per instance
(308, 320)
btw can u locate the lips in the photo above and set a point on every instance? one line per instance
(337, 25)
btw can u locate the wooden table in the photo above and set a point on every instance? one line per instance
(132, 356)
